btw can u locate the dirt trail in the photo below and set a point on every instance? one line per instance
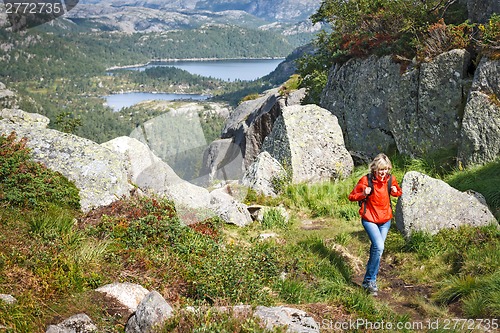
(398, 294)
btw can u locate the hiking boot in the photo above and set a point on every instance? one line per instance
(371, 287)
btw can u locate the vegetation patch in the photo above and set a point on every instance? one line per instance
(52, 264)
(25, 183)
(403, 29)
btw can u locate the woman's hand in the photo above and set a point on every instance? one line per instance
(394, 188)
(368, 190)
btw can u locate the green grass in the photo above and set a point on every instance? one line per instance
(274, 219)
(483, 179)
(53, 258)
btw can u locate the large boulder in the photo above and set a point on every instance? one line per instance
(151, 312)
(418, 112)
(243, 116)
(244, 133)
(307, 140)
(127, 294)
(357, 94)
(425, 111)
(241, 138)
(80, 323)
(97, 172)
(480, 135)
(429, 205)
(262, 173)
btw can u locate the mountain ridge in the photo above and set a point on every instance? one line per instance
(280, 10)
(285, 16)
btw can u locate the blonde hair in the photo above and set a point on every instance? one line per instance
(381, 161)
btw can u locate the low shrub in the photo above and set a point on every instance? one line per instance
(25, 183)
(490, 36)
(443, 37)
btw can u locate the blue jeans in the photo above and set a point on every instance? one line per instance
(377, 234)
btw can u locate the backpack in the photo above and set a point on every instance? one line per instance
(370, 184)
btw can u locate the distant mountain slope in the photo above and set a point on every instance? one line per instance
(268, 10)
(286, 17)
(142, 19)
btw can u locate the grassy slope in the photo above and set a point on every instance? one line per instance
(51, 266)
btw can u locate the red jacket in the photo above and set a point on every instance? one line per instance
(378, 206)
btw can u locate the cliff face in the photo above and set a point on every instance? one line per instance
(450, 103)
(436, 106)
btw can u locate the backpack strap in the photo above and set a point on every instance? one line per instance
(370, 185)
(389, 185)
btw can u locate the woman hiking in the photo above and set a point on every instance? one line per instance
(374, 191)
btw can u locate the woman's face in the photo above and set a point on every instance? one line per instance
(382, 173)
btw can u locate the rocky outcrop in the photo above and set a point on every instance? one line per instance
(429, 205)
(435, 107)
(419, 112)
(357, 93)
(103, 173)
(480, 135)
(244, 133)
(262, 173)
(307, 140)
(97, 172)
(251, 122)
(150, 174)
(426, 112)
(80, 323)
(295, 321)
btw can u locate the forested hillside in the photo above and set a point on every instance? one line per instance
(67, 70)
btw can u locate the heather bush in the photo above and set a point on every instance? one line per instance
(442, 38)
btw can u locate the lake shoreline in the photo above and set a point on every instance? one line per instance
(121, 100)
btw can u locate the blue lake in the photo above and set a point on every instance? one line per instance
(229, 70)
(122, 100)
